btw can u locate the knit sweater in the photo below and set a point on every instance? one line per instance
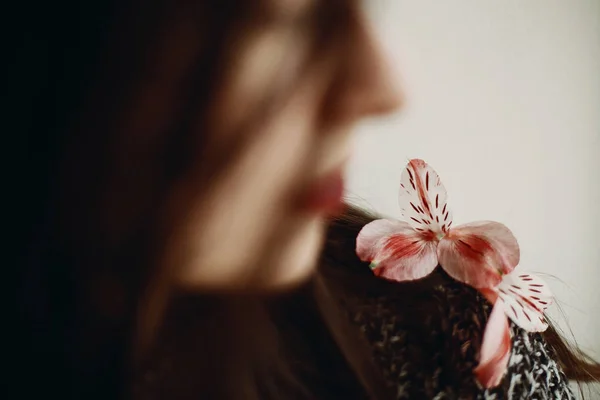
(439, 365)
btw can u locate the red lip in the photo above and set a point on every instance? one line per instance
(325, 195)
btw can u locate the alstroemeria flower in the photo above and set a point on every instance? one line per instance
(477, 254)
(523, 298)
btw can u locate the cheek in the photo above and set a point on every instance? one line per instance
(246, 214)
(261, 68)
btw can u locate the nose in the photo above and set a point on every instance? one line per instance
(367, 85)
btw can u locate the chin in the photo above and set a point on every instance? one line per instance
(296, 260)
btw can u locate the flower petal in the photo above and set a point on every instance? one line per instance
(524, 298)
(479, 253)
(495, 349)
(423, 198)
(372, 235)
(395, 250)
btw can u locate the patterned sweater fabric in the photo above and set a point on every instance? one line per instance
(439, 365)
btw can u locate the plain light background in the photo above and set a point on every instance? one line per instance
(503, 100)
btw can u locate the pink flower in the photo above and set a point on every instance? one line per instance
(521, 297)
(477, 254)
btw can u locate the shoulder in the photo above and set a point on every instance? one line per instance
(425, 336)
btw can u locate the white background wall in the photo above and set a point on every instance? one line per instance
(503, 100)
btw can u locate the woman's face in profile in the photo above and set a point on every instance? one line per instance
(261, 224)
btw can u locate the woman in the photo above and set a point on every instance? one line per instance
(187, 154)
(199, 142)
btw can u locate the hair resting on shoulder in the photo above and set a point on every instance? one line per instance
(341, 265)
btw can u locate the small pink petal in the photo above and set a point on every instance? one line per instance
(479, 253)
(524, 298)
(372, 236)
(423, 198)
(466, 265)
(495, 349)
(395, 250)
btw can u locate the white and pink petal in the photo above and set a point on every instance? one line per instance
(423, 198)
(495, 349)
(524, 298)
(464, 261)
(372, 236)
(479, 253)
(396, 251)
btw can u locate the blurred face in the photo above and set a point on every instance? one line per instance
(261, 222)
